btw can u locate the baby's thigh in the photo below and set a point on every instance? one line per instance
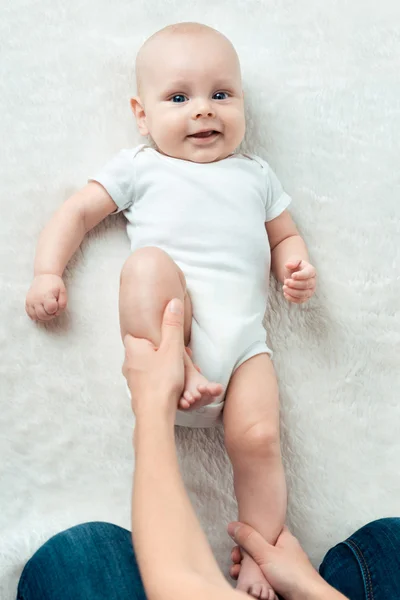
(252, 402)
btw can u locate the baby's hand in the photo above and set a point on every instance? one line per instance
(46, 298)
(300, 280)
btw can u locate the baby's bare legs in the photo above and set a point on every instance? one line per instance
(251, 421)
(149, 280)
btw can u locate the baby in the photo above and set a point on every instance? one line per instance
(206, 225)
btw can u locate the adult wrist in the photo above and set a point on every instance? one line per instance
(317, 589)
(154, 432)
(157, 410)
(155, 416)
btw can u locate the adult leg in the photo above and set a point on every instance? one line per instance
(92, 561)
(366, 566)
(149, 280)
(251, 422)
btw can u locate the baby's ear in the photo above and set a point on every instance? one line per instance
(140, 115)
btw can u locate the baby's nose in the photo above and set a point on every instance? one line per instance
(203, 109)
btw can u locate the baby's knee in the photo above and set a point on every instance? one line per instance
(259, 440)
(145, 262)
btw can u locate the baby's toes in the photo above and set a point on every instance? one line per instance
(188, 396)
(211, 389)
(267, 593)
(204, 389)
(184, 404)
(216, 389)
(256, 590)
(196, 394)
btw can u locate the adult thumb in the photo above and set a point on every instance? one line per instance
(172, 323)
(250, 540)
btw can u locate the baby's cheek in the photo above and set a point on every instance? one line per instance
(237, 126)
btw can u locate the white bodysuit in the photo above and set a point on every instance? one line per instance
(210, 218)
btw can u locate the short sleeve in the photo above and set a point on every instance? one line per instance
(277, 200)
(118, 178)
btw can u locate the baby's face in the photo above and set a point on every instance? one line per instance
(191, 97)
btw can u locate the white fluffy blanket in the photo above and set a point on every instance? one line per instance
(323, 93)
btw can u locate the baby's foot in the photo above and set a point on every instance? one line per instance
(252, 581)
(198, 390)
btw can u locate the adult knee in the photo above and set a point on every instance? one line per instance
(85, 558)
(260, 440)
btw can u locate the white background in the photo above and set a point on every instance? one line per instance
(323, 99)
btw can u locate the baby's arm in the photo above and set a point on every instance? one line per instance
(61, 237)
(289, 259)
(285, 242)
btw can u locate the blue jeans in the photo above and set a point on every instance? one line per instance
(97, 561)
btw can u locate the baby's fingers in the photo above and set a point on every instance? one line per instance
(41, 314)
(50, 304)
(294, 299)
(303, 284)
(306, 273)
(300, 294)
(62, 299)
(30, 311)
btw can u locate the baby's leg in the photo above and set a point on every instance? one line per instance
(149, 280)
(251, 421)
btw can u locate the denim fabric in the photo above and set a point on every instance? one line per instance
(367, 565)
(87, 562)
(96, 561)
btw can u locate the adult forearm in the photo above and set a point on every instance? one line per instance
(292, 246)
(167, 535)
(59, 240)
(320, 591)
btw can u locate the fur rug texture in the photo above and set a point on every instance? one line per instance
(322, 89)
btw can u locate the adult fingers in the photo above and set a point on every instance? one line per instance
(236, 555)
(172, 325)
(234, 571)
(285, 536)
(250, 540)
(134, 347)
(133, 344)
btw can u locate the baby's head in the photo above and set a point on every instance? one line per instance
(190, 98)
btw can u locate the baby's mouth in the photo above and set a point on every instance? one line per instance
(204, 134)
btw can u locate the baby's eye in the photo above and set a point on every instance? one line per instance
(178, 98)
(220, 96)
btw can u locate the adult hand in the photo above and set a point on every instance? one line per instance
(155, 376)
(285, 565)
(299, 280)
